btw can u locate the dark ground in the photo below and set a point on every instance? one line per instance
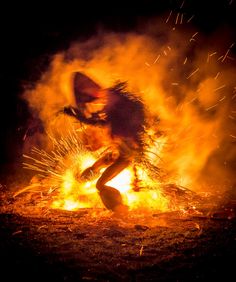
(41, 244)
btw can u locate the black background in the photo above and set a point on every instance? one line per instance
(31, 33)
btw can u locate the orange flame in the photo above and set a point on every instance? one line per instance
(190, 95)
(74, 194)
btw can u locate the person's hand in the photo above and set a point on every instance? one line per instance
(66, 110)
(87, 174)
(102, 116)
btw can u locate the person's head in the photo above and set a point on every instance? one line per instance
(85, 89)
(88, 93)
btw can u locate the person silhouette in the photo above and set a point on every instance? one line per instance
(124, 115)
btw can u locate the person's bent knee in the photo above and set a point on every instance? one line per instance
(100, 184)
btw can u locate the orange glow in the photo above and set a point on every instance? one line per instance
(74, 194)
(186, 113)
(122, 181)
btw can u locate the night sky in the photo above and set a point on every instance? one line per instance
(30, 34)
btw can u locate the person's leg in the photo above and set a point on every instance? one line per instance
(104, 161)
(110, 196)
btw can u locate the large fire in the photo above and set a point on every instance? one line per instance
(187, 90)
(59, 171)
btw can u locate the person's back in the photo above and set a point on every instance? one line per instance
(125, 114)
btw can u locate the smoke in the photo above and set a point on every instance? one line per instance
(184, 78)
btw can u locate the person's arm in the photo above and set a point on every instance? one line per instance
(95, 119)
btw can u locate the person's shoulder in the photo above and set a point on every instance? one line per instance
(121, 95)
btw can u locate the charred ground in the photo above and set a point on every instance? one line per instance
(94, 245)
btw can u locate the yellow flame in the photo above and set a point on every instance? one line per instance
(74, 195)
(122, 181)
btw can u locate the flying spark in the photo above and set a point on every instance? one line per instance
(169, 17)
(212, 107)
(190, 18)
(177, 18)
(193, 73)
(157, 58)
(181, 6)
(219, 88)
(218, 73)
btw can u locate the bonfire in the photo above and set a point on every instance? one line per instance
(187, 96)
